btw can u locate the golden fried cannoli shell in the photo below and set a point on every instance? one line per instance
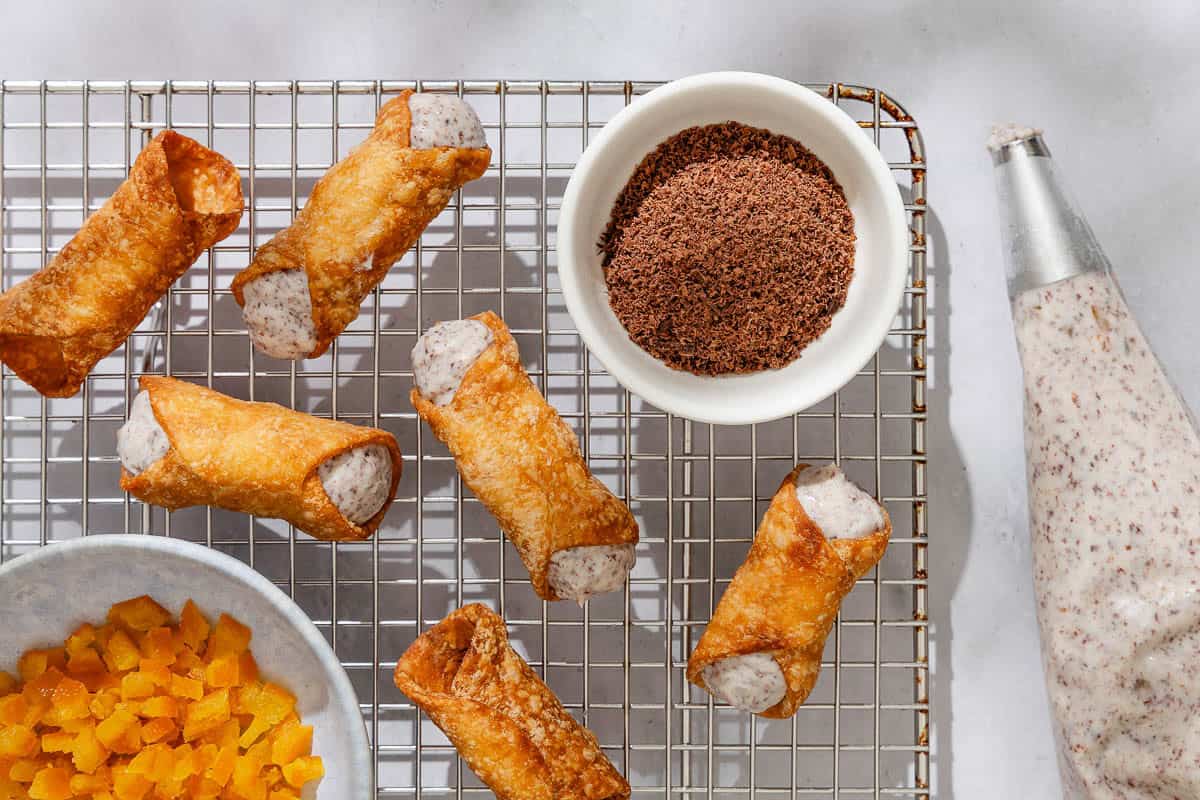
(257, 458)
(785, 596)
(179, 199)
(509, 726)
(523, 462)
(367, 210)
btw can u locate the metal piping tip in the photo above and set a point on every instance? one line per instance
(1045, 235)
(1009, 139)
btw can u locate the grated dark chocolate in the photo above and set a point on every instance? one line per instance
(729, 250)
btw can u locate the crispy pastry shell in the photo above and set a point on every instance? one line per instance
(523, 461)
(367, 210)
(179, 199)
(258, 458)
(509, 726)
(785, 596)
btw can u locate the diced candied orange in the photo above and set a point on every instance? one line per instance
(159, 645)
(84, 785)
(193, 626)
(84, 661)
(23, 770)
(159, 673)
(13, 708)
(201, 788)
(303, 770)
(139, 614)
(51, 783)
(189, 664)
(187, 762)
(283, 794)
(291, 744)
(137, 686)
(273, 703)
(222, 768)
(121, 732)
(159, 730)
(70, 700)
(228, 636)
(82, 638)
(120, 653)
(57, 742)
(247, 668)
(225, 735)
(222, 672)
(8, 683)
(246, 780)
(130, 786)
(104, 702)
(33, 663)
(206, 714)
(186, 688)
(41, 688)
(161, 706)
(17, 741)
(87, 754)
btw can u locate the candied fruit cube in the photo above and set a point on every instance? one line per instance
(222, 672)
(70, 700)
(159, 729)
(13, 708)
(303, 770)
(23, 770)
(139, 614)
(120, 732)
(87, 752)
(17, 741)
(206, 714)
(130, 786)
(85, 785)
(120, 653)
(186, 687)
(8, 683)
(57, 742)
(137, 686)
(159, 645)
(84, 662)
(82, 638)
(161, 706)
(193, 626)
(247, 668)
(51, 783)
(228, 636)
(225, 735)
(104, 702)
(222, 768)
(33, 663)
(283, 794)
(291, 744)
(272, 703)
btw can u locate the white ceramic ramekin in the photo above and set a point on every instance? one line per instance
(46, 594)
(880, 258)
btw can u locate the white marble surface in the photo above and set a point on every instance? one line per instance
(1112, 87)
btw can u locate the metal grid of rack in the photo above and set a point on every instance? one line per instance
(698, 491)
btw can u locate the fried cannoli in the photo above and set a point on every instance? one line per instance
(507, 725)
(762, 649)
(185, 445)
(179, 199)
(521, 459)
(306, 284)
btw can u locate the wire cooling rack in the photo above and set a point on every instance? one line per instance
(698, 491)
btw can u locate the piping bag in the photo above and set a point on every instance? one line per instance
(1113, 461)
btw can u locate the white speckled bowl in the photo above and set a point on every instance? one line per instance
(44, 595)
(880, 258)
